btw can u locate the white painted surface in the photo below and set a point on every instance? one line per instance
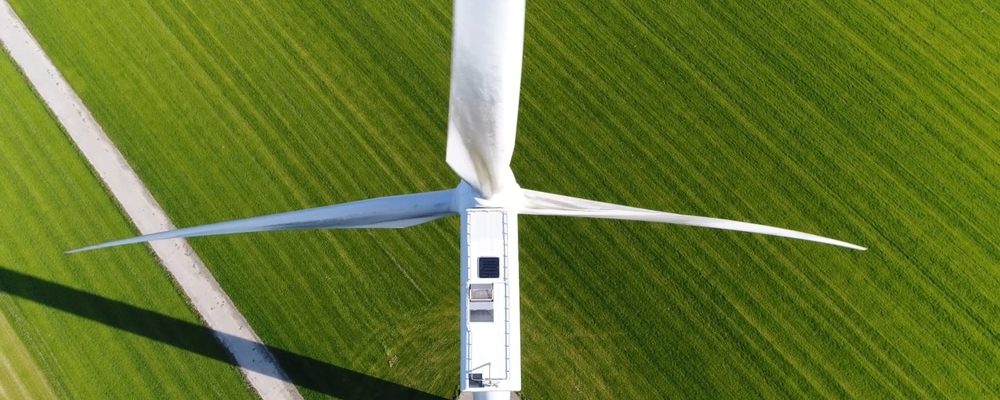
(198, 284)
(491, 348)
(487, 50)
(498, 395)
(382, 212)
(541, 203)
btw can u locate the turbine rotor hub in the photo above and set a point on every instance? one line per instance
(466, 197)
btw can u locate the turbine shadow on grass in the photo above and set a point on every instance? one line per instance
(302, 370)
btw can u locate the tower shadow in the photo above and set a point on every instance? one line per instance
(303, 371)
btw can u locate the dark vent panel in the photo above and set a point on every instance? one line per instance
(489, 267)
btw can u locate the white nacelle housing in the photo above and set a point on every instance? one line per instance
(490, 324)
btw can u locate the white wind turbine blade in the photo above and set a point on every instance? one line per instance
(383, 212)
(541, 203)
(487, 47)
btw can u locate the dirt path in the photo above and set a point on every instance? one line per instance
(209, 300)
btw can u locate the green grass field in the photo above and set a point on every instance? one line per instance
(874, 123)
(75, 327)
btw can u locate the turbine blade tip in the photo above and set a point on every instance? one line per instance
(79, 250)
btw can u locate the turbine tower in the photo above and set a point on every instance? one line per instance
(487, 48)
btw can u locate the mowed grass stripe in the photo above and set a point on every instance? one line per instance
(914, 86)
(249, 118)
(928, 87)
(986, 150)
(591, 171)
(46, 184)
(389, 166)
(949, 291)
(389, 174)
(283, 50)
(22, 377)
(345, 252)
(681, 154)
(722, 344)
(972, 236)
(35, 157)
(902, 22)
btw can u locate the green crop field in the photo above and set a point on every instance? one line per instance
(873, 122)
(74, 327)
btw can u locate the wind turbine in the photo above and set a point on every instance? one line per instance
(485, 86)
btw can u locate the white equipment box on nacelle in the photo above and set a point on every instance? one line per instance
(490, 327)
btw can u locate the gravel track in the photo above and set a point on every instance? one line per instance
(202, 290)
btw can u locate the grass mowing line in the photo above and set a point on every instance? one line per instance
(23, 379)
(911, 191)
(50, 184)
(216, 71)
(190, 274)
(769, 271)
(979, 144)
(859, 346)
(713, 252)
(883, 59)
(304, 60)
(309, 65)
(820, 116)
(647, 153)
(905, 29)
(197, 53)
(400, 267)
(204, 75)
(875, 339)
(742, 116)
(800, 364)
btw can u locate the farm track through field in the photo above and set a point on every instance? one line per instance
(187, 270)
(67, 343)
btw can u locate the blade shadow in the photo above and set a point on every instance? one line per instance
(302, 370)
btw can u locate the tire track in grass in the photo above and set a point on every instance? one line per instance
(754, 314)
(971, 87)
(280, 252)
(903, 362)
(386, 148)
(23, 378)
(691, 196)
(209, 66)
(754, 128)
(639, 118)
(286, 44)
(239, 107)
(953, 299)
(924, 207)
(821, 117)
(919, 199)
(212, 56)
(570, 55)
(306, 67)
(885, 60)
